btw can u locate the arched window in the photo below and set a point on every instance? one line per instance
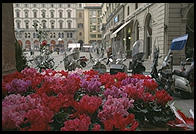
(60, 15)
(69, 24)
(69, 14)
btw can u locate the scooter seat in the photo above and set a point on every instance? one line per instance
(180, 73)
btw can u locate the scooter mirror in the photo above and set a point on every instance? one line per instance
(111, 60)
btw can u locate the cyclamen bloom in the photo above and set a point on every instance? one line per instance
(14, 108)
(162, 97)
(114, 92)
(92, 86)
(88, 104)
(115, 105)
(121, 123)
(79, 124)
(150, 84)
(18, 86)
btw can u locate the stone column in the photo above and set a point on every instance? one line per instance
(8, 39)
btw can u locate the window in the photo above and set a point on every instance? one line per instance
(69, 24)
(80, 15)
(68, 5)
(34, 35)
(60, 15)
(50, 35)
(59, 35)
(52, 14)
(35, 14)
(52, 5)
(80, 25)
(93, 28)
(99, 35)
(67, 35)
(26, 14)
(80, 5)
(25, 5)
(18, 14)
(17, 5)
(43, 5)
(136, 6)
(60, 25)
(52, 25)
(99, 20)
(92, 20)
(34, 5)
(98, 28)
(69, 14)
(70, 35)
(29, 35)
(128, 11)
(80, 33)
(44, 24)
(60, 5)
(62, 35)
(27, 25)
(18, 25)
(25, 35)
(54, 35)
(93, 35)
(43, 14)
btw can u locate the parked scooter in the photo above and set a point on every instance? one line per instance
(117, 65)
(83, 61)
(180, 83)
(184, 81)
(136, 65)
(162, 76)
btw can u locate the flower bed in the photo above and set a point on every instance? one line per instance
(81, 101)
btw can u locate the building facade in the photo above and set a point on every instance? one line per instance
(80, 23)
(154, 23)
(58, 19)
(92, 23)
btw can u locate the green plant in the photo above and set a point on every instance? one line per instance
(21, 61)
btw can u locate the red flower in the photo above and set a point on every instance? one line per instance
(150, 84)
(121, 123)
(79, 124)
(96, 127)
(120, 76)
(88, 104)
(162, 97)
(44, 43)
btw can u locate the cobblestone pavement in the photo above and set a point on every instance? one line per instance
(182, 104)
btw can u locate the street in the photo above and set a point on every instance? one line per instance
(183, 104)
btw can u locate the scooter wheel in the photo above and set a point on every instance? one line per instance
(185, 95)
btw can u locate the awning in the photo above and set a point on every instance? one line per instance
(115, 33)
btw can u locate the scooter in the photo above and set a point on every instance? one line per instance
(83, 61)
(116, 65)
(98, 66)
(176, 82)
(136, 65)
(184, 81)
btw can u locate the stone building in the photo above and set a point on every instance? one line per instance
(58, 19)
(154, 23)
(80, 24)
(92, 23)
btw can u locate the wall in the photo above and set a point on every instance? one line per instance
(8, 39)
